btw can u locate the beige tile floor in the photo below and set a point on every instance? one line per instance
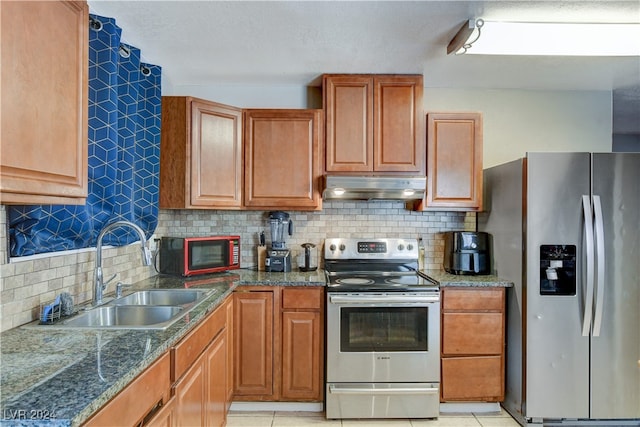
(311, 419)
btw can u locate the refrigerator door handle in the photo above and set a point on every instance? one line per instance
(588, 235)
(600, 259)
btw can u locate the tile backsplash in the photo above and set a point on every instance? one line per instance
(25, 284)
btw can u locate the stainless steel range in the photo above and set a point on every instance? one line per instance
(383, 331)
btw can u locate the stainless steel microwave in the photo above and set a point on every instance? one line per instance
(190, 256)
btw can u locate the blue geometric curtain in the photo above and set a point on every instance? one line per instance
(124, 155)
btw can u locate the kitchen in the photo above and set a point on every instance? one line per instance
(515, 120)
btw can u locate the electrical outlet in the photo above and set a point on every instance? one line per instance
(153, 243)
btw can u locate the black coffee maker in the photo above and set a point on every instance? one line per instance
(278, 256)
(467, 252)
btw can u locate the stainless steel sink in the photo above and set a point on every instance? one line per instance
(126, 317)
(160, 297)
(145, 309)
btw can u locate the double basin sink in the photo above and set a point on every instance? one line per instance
(145, 309)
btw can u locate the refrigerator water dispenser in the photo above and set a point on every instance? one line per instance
(557, 270)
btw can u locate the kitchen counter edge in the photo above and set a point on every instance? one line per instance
(445, 279)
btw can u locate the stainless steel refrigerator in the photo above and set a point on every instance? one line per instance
(565, 229)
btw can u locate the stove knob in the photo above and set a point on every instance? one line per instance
(401, 247)
(332, 247)
(410, 247)
(342, 247)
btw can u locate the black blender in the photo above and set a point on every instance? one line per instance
(279, 257)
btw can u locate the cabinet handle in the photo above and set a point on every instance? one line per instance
(378, 391)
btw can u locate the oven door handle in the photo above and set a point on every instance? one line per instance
(386, 299)
(384, 391)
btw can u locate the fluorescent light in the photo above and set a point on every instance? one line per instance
(338, 191)
(482, 37)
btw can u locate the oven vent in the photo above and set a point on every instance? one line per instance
(374, 188)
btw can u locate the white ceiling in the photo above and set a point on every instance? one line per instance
(295, 42)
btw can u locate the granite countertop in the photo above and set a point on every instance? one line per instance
(445, 279)
(60, 377)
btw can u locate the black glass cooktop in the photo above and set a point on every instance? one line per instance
(367, 282)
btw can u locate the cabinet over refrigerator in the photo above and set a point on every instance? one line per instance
(566, 232)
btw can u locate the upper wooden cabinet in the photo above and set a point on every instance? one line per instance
(201, 154)
(43, 148)
(374, 123)
(282, 159)
(454, 162)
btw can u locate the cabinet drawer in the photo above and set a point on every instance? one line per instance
(187, 351)
(472, 333)
(473, 299)
(472, 378)
(308, 298)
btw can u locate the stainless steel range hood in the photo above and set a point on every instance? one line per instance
(374, 188)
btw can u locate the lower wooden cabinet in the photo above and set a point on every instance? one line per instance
(302, 344)
(253, 344)
(278, 357)
(200, 387)
(473, 344)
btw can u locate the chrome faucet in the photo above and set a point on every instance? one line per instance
(99, 285)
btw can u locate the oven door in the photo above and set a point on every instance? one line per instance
(383, 338)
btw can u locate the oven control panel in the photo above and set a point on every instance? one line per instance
(370, 248)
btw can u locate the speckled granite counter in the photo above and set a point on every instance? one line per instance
(53, 377)
(446, 280)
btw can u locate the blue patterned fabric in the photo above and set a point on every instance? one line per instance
(124, 156)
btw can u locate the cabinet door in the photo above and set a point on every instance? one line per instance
(44, 102)
(454, 161)
(201, 156)
(348, 103)
(301, 375)
(190, 392)
(282, 154)
(216, 367)
(399, 135)
(216, 155)
(253, 342)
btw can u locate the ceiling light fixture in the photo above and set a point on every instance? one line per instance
(481, 37)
